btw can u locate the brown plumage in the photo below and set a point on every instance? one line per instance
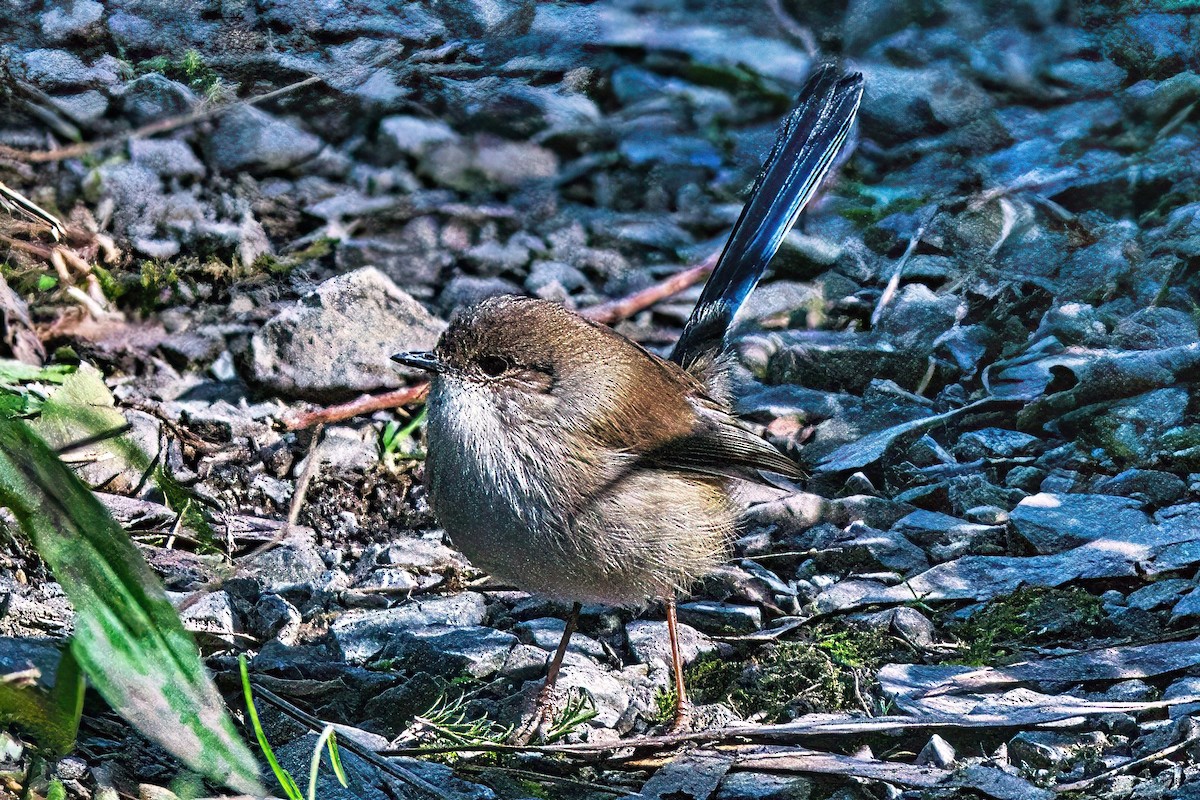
(570, 461)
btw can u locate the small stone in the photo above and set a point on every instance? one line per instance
(1044, 749)
(547, 632)
(464, 291)
(525, 662)
(994, 443)
(648, 641)
(56, 70)
(1052, 523)
(362, 635)
(488, 164)
(486, 19)
(987, 515)
(292, 564)
(249, 139)
(1160, 594)
(493, 258)
(339, 339)
(85, 108)
(720, 618)
(451, 651)
(70, 19)
(212, 614)
(1155, 487)
(152, 97)
(412, 136)
(169, 158)
(938, 752)
(1186, 687)
(547, 273)
(762, 786)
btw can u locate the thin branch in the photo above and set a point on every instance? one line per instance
(1080, 786)
(152, 129)
(625, 307)
(366, 404)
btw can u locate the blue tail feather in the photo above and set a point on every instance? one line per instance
(807, 144)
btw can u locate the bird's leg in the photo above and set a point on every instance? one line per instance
(681, 703)
(545, 698)
(556, 662)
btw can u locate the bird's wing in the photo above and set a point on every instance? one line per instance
(720, 446)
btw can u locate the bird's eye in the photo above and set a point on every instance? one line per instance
(494, 366)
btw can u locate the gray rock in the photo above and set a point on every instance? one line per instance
(275, 618)
(525, 662)
(1155, 45)
(56, 70)
(1185, 687)
(865, 549)
(1052, 523)
(249, 139)
(362, 635)
(648, 641)
(70, 19)
(492, 258)
(994, 443)
(1045, 749)
(487, 164)
(152, 97)
(546, 633)
(169, 158)
(1160, 594)
(412, 136)
(338, 340)
(720, 618)
(947, 537)
(212, 614)
(85, 108)
(409, 263)
(760, 786)
(917, 316)
(292, 564)
(1131, 429)
(451, 651)
(486, 19)
(1187, 608)
(907, 623)
(545, 274)
(938, 752)
(464, 291)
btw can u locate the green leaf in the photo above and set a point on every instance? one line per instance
(128, 638)
(51, 717)
(46, 283)
(12, 372)
(286, 781)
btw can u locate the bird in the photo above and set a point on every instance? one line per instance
(572, 462)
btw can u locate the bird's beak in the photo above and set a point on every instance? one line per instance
(421, 360)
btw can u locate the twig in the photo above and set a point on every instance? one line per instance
(13, 199)
(813, 725)
(625, 307)
(152, 129)
(794, 29)
(362, 405)
(1079, 786)
(894, 282)
(348, 743)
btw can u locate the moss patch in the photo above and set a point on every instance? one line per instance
(1028, 617)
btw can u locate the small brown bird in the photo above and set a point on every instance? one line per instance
(569, 461)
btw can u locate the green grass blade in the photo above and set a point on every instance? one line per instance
(286, 781)
(51, 717)
(128, 638)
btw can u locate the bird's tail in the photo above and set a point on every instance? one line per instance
(805, 148)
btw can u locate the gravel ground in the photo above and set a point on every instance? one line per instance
(981, 342)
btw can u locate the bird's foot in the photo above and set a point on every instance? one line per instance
(533, 722)
(684, 721)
